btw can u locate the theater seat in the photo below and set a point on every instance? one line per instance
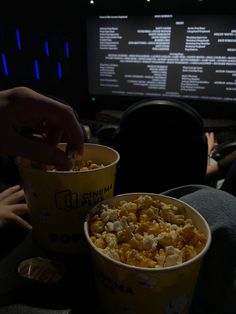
(224, 149)
(162, 145)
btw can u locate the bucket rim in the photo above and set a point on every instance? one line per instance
(73, 172)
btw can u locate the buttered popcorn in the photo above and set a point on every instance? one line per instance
(146, 232)
(82, 165)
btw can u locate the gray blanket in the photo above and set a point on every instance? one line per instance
(216, 291)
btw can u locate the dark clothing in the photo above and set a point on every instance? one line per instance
(216, 290)
(229, 184)
(225, 163)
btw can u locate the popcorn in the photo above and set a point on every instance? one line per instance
(146, 233)
(81, 165)
(84, 165)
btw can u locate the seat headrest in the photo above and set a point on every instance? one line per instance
(158, 112)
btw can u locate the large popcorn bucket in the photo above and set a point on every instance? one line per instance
(124, 288)
(59, 201)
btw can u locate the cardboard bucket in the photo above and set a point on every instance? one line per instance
(59, 201)
(124, 288)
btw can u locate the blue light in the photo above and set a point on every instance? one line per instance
(59, 70)
(36, 70)
(67, 49)
(46, 48)
(18, 38)
(4, 61)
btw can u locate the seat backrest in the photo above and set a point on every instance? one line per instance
(224, 149)
(162, 145)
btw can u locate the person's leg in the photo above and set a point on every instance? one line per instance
(214, 293)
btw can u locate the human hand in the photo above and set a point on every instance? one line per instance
(22, 107)
(11, 207)
(211, 142)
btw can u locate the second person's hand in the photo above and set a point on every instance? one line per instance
(11, 207)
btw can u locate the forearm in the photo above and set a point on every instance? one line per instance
(213, 173)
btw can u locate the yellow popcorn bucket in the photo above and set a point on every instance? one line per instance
(124, 288)
(59, 201)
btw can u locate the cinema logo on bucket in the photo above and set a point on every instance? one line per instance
(67, 200)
